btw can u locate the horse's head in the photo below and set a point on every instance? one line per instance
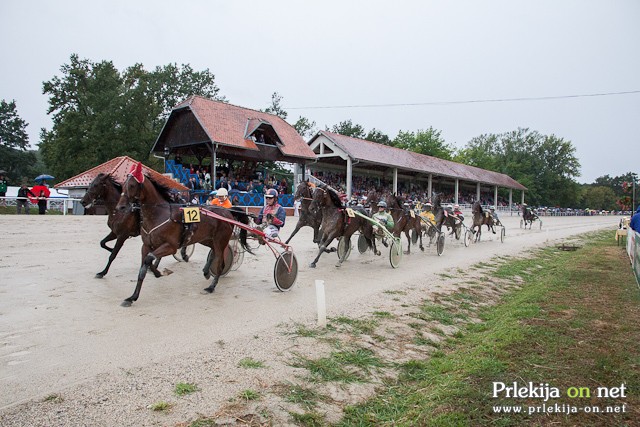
(476, 208)
(98, 189)
(132, 193)
(319, 199)
(304, 190)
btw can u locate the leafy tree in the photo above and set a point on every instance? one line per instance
(100, 113)
(599, 197)
(305, 127)
(348, 128)
(482, 152)
(427, 142)
(275, 108)
(19, 163)
(375, 135)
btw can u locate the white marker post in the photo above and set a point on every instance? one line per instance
(322, 307)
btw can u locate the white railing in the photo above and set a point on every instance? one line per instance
(53, 203)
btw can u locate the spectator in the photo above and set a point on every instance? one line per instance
(3, 190)
(42, 203)
(635, 221)
(23, 199)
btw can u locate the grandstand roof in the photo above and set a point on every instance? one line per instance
(392, 157)
(118, 168)
(197, 123)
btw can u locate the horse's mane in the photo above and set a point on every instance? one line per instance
(477, 207)
(436, 201)
(164, 191)
(115, 183)
(333, 194)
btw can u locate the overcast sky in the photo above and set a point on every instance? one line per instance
(354, 53)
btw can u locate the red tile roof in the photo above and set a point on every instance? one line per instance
(118, 167)
(227, 124)
(372, 152)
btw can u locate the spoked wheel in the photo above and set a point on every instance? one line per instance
(285, 271)
(502, 234)
(440, 244)
(414, 237)
(395, 253)
(344, 248)
(238, 255)
(521, 223)
(228, 261)
(468, 235)
(188, 251)
(362, 244)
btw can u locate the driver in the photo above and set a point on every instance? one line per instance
(427, 213)
(384, 217)
(494, 214)
(272, 216)
(222, 199)
(457, 212)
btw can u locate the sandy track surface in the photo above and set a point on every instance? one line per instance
(63, 332)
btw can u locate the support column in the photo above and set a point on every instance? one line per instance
(349, 181)
(395, 180)
(430, 187)
(522, 202)
(457, 188)
(477, 192)
(511, 201)
(214, 158)
(495, 196)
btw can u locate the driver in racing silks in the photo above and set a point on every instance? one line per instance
(272, 216)
(385, 218)
(494, 215)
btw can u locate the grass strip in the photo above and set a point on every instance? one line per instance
(572, 325)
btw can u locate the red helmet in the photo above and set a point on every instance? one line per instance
(271, 193)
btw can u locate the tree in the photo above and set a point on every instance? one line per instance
(305, 127)
(599, 197)
(347, 128)
(375, 135)
(100, 113)
(275, 108)
(427, 142)
(15, 158)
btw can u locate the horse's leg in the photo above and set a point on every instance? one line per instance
(154, 268)
(418, 228)
(316, 234)
(406, 233)
(183, 254)
(103, 243)
(112, 256)
(147, 259)
(299, 225)
(327, 238)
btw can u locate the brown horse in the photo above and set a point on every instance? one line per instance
(163, 231)
(480, 218)
(528, 216)
(123, 224)
(336, 222)
(313, 219)
(446, 218)
(403, 221)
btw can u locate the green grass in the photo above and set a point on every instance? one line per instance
(160, 406)
(249, 363)
(182, 389)
(303, 396)
(361, 326)
(11, 210)
(249, 394)
(573, 322)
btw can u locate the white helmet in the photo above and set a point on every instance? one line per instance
(493, 208)
(222, 192)
(456, 206)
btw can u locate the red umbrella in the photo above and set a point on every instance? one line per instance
(36, 190)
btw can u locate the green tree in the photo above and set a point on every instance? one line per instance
(348, 128)
(276, 108)
(428, 142)
(599, 197)
(375, 135)
(305, 127)
(100, 113)
(16, 159)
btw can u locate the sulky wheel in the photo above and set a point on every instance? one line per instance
(458, 231)
(362, 244)
(238, 255)
(468, 235)
(228, 261)
(395, 253)
(503, 232)
(285, 271)
(440, 244)
(344, 248)
(188, 251)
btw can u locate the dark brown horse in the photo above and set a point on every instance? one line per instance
(480, 218)
(403, 221)
(446, 218)
(163, 231)
(336, 222)
(313, 219)
(527, 216)
(123, 224)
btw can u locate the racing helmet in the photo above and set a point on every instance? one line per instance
(222, 192)
(382, 204)
(456, 206)
(493, 208)
(428, 205)
(271, 193)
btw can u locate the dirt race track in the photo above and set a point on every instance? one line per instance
(62, 331)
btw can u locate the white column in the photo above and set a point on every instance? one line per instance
(349, 181)
(510, 199)
(522, 202)
(457, 187)
(495, 196)
(478, 192)
(430, 187)
(395, 180)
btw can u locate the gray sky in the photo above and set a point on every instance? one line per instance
(336, 53)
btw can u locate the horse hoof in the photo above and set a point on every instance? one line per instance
(209, 290)
(338, 265)
(99, 276)
(207, 275)
(312, 265)
(126, 303)
(333, 250)
(185, 258)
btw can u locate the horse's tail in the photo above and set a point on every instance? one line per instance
(243, 217)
